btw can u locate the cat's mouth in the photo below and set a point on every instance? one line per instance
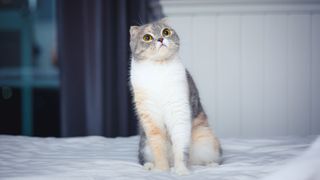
(163, 45)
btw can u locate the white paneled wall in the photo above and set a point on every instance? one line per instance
(256, 63)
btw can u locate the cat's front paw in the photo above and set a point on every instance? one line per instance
(152, 167)
(148, 166)
(212, 164)
(161, 168)
(181, 170)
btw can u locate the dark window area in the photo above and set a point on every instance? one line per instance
(10, 105)
(29, 72)
(46, 112)
(10, 48)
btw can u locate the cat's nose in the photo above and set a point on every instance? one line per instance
(160, 39)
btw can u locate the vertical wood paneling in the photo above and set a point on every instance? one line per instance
(252, 31)
(203, 63)
(228, 75)
(315, 123)
(275, 78)
(183, 26)
(299, 74)
(258, 74)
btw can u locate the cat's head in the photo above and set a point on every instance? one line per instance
(156, 41)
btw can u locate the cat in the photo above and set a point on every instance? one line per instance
(174, 128)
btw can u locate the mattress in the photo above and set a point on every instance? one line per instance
(96, 157)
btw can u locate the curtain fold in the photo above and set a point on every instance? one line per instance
(94, 55)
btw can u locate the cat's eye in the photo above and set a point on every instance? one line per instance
(147, 38)
(166, 32)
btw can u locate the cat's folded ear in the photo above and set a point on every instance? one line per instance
(134, 30)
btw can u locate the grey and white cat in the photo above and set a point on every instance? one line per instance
(173, 125)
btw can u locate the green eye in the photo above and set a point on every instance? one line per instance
(166, 32)
(147, 38)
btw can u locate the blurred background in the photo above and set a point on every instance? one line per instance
(64, 64)
(29, 71)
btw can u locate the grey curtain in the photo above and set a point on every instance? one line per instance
(93, 52)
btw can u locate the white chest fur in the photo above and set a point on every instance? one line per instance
(163, 82)
(166, 89)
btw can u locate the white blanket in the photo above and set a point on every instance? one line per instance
(116, 158)
(305, 167)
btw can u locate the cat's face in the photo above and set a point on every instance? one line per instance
(155, 41)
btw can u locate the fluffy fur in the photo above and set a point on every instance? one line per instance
(173, 125)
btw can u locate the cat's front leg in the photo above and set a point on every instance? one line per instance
(157, 142)
(156, 137)
(180, 133)
(154, 131)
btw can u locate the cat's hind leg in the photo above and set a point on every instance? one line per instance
(205, 148)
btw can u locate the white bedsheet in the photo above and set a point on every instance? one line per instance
(116, 158)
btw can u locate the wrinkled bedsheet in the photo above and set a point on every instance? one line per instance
(96, 157)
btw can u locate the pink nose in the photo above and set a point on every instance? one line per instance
(160, 39)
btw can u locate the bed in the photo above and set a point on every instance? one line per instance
(96, 157)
